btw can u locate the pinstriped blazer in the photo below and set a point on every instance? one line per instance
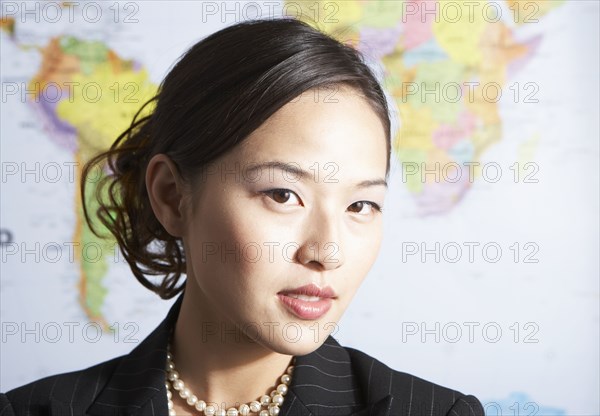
(331, 381)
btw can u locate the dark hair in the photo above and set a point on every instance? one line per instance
(220, 91)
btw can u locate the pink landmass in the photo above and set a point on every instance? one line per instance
(417, 26)
(440, 197)
(447, 135)
(379, 42)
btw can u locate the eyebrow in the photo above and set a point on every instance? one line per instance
(305, 175)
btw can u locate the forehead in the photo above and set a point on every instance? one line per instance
(326, 125)
(319, 107)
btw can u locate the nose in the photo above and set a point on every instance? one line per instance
(321, 244)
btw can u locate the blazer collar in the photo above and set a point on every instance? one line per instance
(325, 382)
(140, 375)
(329, 382)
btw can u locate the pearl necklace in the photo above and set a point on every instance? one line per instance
(272, 402)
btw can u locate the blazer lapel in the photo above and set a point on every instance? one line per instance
(327, 382)
(143, 367)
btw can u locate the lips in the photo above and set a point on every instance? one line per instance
(311, 290)
(308, 302)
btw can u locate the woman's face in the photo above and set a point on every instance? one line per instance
(245, 244)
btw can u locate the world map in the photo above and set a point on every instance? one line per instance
(423, 56)
(445, 66)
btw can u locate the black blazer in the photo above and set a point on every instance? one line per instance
(332, 380)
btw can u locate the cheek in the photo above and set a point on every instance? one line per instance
(233, 247)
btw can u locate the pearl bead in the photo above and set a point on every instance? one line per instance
(178, 384)
(272, 401)
(278, 399)
(184, 393)
(200, 405)
(255, 406)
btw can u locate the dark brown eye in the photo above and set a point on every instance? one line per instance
(361, 205)
(281, 196)
(356, 204)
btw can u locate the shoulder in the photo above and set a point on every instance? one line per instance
(411, 395)
(41, 396)
(99, 387)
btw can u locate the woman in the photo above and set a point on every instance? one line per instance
(260, 174)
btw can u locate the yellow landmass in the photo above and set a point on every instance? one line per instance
(438, 86)
(397, 75)
(105, 104)
(7, 24)
(411, 161)
(460, 37)
(340, 19)
(381, 13)
(418, 126)
(498, 49)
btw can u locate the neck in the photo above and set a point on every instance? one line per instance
(217, 361)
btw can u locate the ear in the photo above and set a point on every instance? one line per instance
(166, 194)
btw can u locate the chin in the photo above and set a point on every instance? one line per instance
(300, 347)
(301, 338)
